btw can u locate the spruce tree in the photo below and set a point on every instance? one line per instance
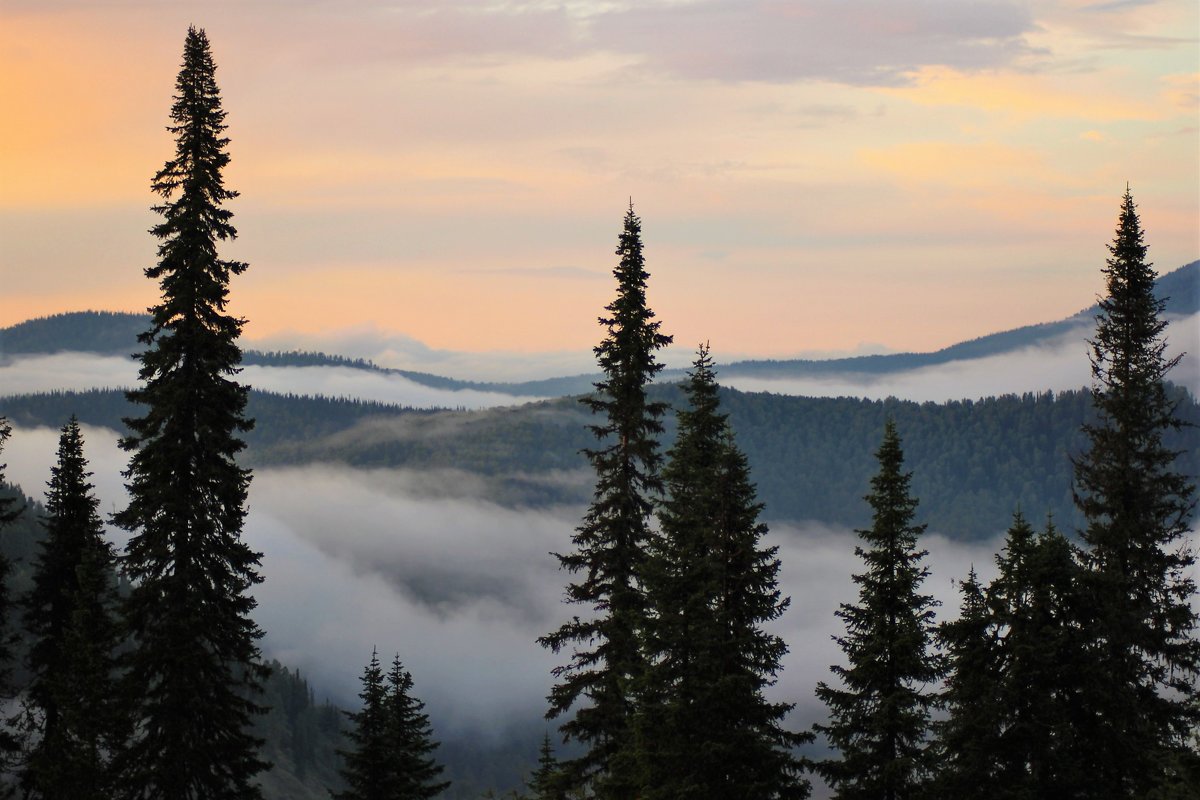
(10, 509)
(392, 754)
(368, 768)
(409, 738)
(545, 783)
(606, 658)
(195, 670)
(966, 739)
(879, 716)
(707, 731)
(70, 614)
(1033, 603)
(1144, 656)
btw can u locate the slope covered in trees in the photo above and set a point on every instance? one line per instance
(973, 461)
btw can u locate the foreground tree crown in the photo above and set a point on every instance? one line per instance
(879, 715)
(1145, 658)
(72, 703)
(610, 545)
(195, 667)
(705, 728)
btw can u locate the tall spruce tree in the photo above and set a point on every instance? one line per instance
(879, 716)
(707, 731)
(607, 661)
(70, 614)
(195, 670)
(1145, 657)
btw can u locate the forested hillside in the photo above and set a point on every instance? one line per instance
(973, 462)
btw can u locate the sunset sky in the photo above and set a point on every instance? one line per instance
(812, 175)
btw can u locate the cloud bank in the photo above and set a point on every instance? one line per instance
(82, 371)
(1058, 365)
(460, 587)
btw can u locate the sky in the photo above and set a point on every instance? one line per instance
(813, 175)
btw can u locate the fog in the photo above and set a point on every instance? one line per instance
(82, 371)
(397, 351)
(458, 586)
(1059, 364)
(420, 564)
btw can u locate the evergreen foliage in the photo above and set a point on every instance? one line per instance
(879, 719)
(545, 783)
(195, 669)
(1034, 602)
(967, 739)
(392, 755)
(706, 729)
(70, 613)
(367, 767)
(610, 545)
(1144, 659)
(410, 737)
(10, 510)
(973, 461)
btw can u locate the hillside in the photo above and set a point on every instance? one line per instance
(974, 462)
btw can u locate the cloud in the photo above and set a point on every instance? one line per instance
(67, 371)
(369, 385)
(460, 588)
(857, 42)
(860, 42)
(1059, 365)
(82, 371)
(389, 349)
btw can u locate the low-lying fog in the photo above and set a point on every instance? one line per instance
(458, 586)
(1059, 364)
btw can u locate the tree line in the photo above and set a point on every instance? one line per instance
(1072, 674)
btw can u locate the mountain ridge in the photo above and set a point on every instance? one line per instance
(115, 333)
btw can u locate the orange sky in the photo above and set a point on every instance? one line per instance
(811, 175)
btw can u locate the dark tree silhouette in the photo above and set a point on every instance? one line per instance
(195, 670)
(72, 702)
(879, 718)
(392, 758)
(10, 509)
(967, 739)
(1146, 659)
(610, 545)
(706, 729)
(368, 767)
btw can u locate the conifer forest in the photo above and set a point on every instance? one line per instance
(137, 667)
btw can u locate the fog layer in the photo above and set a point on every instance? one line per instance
(460, 587)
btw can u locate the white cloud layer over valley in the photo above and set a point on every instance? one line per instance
(460, 587)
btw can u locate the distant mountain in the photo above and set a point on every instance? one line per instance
(114, 333)
(1180, 288)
